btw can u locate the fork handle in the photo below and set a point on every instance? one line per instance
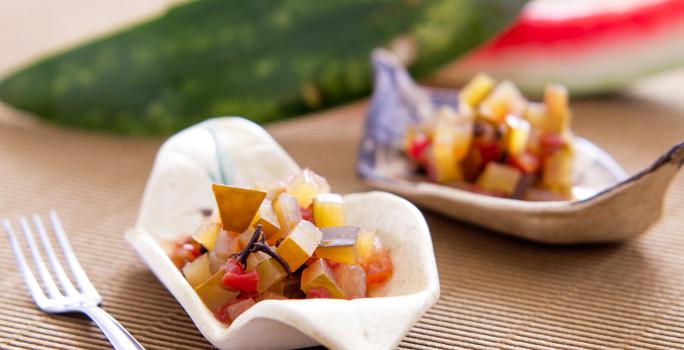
(113, 330)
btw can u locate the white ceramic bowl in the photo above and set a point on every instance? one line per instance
(236, 151)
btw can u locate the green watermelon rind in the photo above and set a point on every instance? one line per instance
(260, 59)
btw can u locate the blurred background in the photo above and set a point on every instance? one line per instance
(130, 67)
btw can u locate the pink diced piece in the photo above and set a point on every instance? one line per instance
(237, 309)
(352, 280)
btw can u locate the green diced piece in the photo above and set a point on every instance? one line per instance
(254, 259)
(289, 287)
(197, 271)
(213, 294)
(237, 206)
(269, 272)
(319, 275)
(300, 244)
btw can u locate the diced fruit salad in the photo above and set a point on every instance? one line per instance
(498, 143)
(288, 240)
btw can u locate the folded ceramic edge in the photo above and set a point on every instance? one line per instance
(371, 323)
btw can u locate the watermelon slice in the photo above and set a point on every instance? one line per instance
(589, 46)
(262, 59)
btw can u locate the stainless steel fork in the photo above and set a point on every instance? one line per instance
(84, 299)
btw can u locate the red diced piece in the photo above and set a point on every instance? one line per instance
(526, 162)
(352, 280)
(307, 213)
(221, 313)
(311, 260)
(319, 292)
(550, 143)
(232, 266)
(245, 283)
(332, 264)
(229, 311)
(238, 308)
(379, 265)
(236, 278)
(488, 151)
(245, 296)
(191, 249)
(184, 253)
(417, 147)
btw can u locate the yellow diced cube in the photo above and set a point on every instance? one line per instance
(557, 175)
(451, 142)
(267, 218)
(288, 213)
(300, 244)
(517, 134)
(558, 114)
(499, 178)
(340, 254)
(339, 244)
(445, 169)
(328, 210)
(245, 237)
(504, 100)
(364, 245)
(306, 185)
(556, 99)
(476, 90)
(535, 114)
(226, 243)
(206, 234)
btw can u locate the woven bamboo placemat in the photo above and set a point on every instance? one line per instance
(497, 292)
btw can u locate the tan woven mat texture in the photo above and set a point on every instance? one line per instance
(497, 292)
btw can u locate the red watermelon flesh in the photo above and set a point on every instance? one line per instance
(589, 46)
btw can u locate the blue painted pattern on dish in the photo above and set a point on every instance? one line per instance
(396, 103)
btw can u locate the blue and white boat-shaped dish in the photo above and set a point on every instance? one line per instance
(608, 205)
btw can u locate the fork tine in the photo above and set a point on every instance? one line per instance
(49, 283)
(31, 283)
(76, 269)
(56, 264)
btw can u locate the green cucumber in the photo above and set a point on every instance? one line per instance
(261, 59)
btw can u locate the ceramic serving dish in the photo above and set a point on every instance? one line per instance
(238, 152)
(609, 206)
